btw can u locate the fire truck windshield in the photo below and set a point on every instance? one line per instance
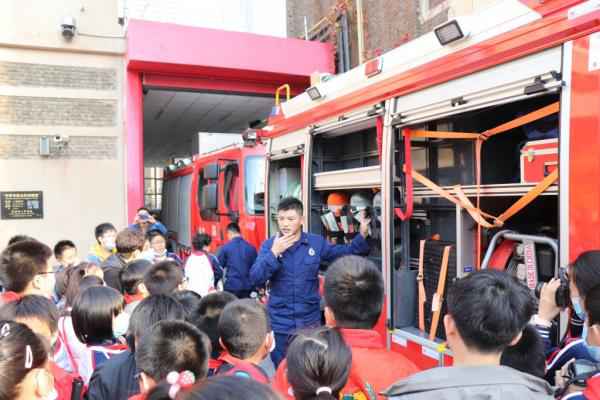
(254, 187)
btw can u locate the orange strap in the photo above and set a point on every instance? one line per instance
(445, 135)
(523, 120)
(438, 297)
(529, 196)
(422, 294)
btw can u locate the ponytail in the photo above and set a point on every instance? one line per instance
(318, 364)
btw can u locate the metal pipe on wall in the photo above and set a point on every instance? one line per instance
(360, 31)
(345, 42)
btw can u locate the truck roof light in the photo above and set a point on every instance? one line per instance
(314, 93)
(450, 32)
(373, 67)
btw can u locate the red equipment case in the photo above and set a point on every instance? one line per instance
(539, 158)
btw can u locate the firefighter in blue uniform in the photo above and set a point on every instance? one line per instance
(290, 261)
(236, 258)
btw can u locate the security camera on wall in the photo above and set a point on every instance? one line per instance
(62, 139)
(68, 27)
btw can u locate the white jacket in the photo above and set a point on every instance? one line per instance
(199, 272)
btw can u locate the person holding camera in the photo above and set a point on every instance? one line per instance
(568, 291)
(580, 377)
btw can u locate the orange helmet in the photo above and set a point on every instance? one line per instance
(337, 199)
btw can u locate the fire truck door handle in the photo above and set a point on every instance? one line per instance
(548, 165)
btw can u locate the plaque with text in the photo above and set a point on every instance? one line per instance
(22, 205)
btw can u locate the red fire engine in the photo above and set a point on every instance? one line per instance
(208, 192)
(457, 138)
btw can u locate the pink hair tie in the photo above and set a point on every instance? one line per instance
(179, 380)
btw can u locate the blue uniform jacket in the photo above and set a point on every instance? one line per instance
(294, 298)
(237, 257)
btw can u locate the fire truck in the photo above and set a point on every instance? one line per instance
(211, 190)
(478, 145)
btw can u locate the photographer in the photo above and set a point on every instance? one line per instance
(583, 274)
(582, 377)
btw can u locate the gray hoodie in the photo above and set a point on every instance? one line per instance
(491, 382)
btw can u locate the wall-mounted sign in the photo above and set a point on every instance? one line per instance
(22, 205)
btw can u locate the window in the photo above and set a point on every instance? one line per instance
(204, 192)
(254, 187)
(153, 182)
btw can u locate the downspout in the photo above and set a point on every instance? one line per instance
(360, 31)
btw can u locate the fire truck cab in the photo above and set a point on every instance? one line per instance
(214, 189)
(457, 138)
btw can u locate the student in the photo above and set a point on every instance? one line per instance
(105, 245)
(592, 309)
(97, 323)
(290, 261)
(25, 269)
(487, 311)
(129, 247)
(164, 278)
(318, 364)
(353, 293)
(215, 388)
(117, 378)
(72, 352)
(132, 282)
(199, 268)
(170, 346)
(583, 274)
(245, 335)
(190, 302)
(144, 222)
(158, 249)
(236, 257)
(206, 318)
(41, 316)
(527, 355)
(18, 238)
(65, 254)
(23, 362)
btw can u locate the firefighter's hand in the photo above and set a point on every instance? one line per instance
(364, 225)
(548, 309)
(282, 243)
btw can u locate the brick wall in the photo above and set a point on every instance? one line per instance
(25, 110)
(26, 147)
(43, 75)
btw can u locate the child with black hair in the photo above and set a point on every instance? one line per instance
(71, 349)
(132, 283)
(190, 301)
(527, 355)
(200, 267)
(215, 388)
(206, 318)
(23, 363)
(117, 378)
(158, 249)
(41, 316)
(487, 312)
(164, 277)
(98, 322)
(65, 254)
(25, 269)
(318, 364)
(171, 347)
(245, 335)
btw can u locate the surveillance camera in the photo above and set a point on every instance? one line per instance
(68, 27)
(61, 139)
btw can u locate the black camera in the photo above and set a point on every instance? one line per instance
(579, 371)
(562, 296)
